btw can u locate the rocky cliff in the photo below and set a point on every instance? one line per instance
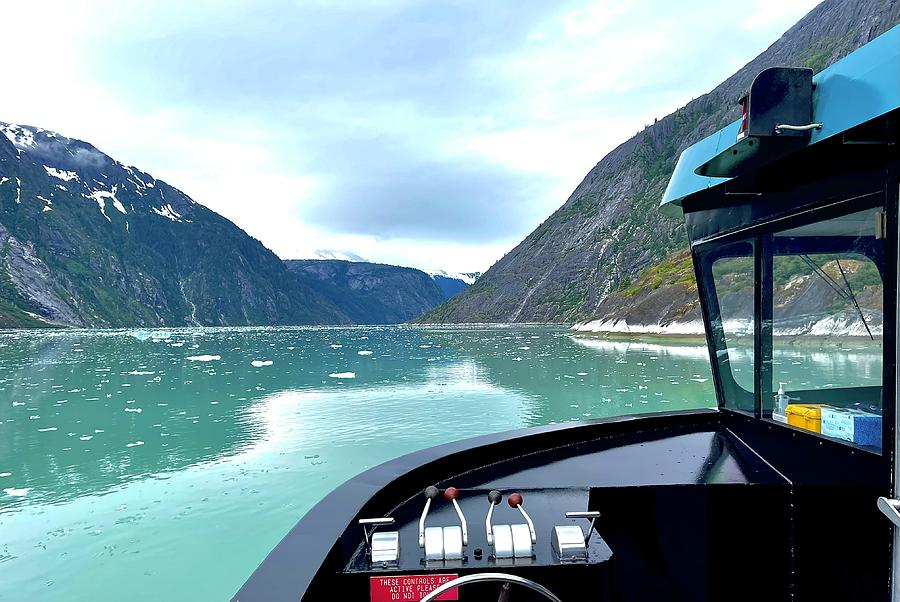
(609, 229)
(819, 295)
(88, 241)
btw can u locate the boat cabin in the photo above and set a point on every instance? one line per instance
(785, 491)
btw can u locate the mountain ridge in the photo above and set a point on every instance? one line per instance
(370, 293)
(88, 241)
(609, 229)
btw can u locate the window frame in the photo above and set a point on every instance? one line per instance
(761, 236)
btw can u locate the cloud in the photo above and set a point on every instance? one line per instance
(431, 134)
(453, 200)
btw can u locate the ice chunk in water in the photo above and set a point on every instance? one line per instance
(204, 358)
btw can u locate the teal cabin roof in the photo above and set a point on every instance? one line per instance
(860, 87)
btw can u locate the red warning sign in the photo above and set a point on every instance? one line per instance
(409, 588)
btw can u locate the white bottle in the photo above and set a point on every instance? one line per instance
(779, 414)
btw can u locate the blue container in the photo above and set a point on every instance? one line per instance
(856, 426)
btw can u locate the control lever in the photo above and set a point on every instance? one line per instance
(510, 541)
(569, 542)
(443, 543)
(515, 501)
(431, 492)
(494, 498)
(450, 494)
(591, 514)
(384, 547)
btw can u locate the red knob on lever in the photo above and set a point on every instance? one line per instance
(451, 493)
(515, 499)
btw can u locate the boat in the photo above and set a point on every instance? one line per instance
(784, 491)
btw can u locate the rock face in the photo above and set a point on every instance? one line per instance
(609, 229)
(843, 297)
(88, 241)
(370, 293)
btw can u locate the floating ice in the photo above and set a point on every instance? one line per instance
(261, 363)
(14, 492)
(204, 358)
(364, 352)
(343, 375)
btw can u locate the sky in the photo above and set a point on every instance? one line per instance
(432, 134)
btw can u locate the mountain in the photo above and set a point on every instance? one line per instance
(342, 255)
(819, 302)
(609, 229)
(88, 241)
(453, 283)
(370, 293)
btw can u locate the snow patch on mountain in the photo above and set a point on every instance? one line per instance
(101, 196)
(167, 212)
(137, 178)
(4, 180)
(62, 174)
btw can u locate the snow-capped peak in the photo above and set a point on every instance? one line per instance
(341, 255)
(467, 277)
(21, 137)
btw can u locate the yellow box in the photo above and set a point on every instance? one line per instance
(807, 416)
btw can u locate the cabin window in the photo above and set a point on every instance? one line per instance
(826, 336)
(732, 269)
(795, 314)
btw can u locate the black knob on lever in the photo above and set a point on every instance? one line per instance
(431, 492)
(495, 497)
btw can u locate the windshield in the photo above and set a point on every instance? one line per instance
(796, 317)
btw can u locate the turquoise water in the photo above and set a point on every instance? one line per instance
(166, 468)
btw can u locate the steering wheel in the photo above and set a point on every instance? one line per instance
(487, 577)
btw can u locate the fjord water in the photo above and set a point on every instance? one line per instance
(165, 465)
